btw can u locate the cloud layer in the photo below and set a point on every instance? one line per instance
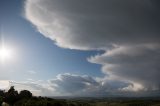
(74, 85)
(127, 30)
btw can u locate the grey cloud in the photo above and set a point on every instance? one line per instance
(139, 64)
(127, 30)
(74, 85)
(91, 24)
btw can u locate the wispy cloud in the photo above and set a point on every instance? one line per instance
(32, 72)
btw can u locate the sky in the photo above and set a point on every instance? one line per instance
(81, 47)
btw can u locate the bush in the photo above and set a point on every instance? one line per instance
(1, 100)
(25, 94)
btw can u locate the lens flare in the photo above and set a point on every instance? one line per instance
(5, 53)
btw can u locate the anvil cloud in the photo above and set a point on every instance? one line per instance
(127, 31)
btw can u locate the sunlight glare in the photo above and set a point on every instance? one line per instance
(5, 53)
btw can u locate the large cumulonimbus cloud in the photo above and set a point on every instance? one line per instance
(128, 31)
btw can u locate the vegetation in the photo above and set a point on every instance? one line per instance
(25, 98)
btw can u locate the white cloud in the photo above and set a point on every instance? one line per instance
(4, 84)
(76, 85)
(38, 88)
(133, 87)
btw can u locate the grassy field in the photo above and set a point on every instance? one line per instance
(45, 101)
(119, 102)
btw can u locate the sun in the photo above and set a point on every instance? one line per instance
(5, 53)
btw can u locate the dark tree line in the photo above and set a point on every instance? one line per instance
(25, 98)
(12, 95)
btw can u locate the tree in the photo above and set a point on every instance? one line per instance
(2, 93)
(1, 100)
(11, 96)
(25, 94)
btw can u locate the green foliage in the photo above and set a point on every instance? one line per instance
(44, 101)
(25, 94)
(11, 96)
(1, 99)
(2, 93)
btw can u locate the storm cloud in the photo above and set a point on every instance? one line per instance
(127, 31)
